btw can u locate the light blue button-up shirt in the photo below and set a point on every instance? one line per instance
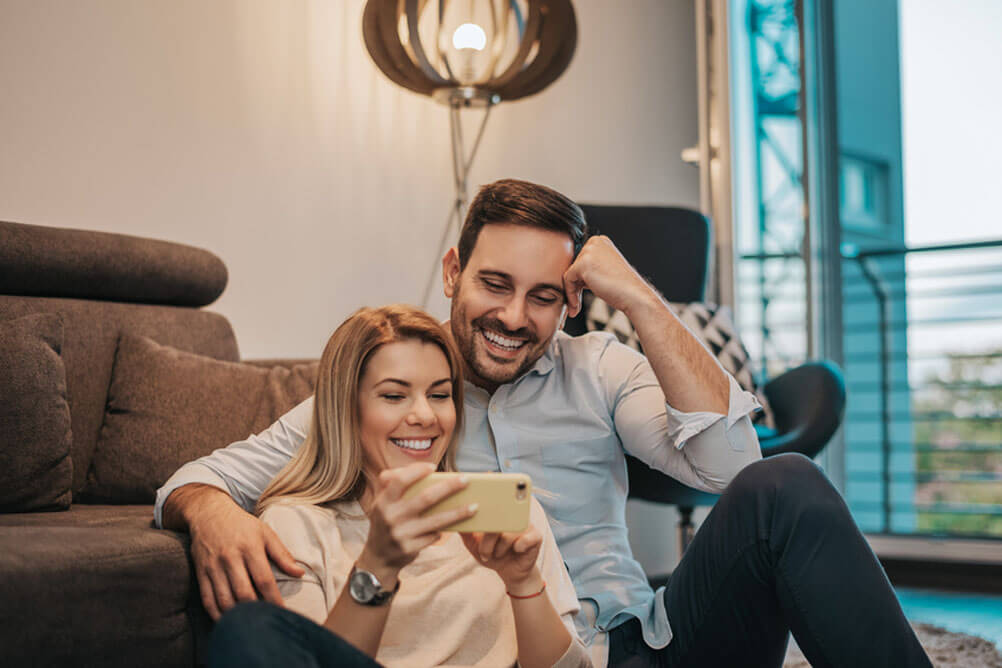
(567, 423)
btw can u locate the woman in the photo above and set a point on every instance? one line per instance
(387, 412)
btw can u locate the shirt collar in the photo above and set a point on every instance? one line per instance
(545, 364)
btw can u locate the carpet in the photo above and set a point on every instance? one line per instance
(945, 648)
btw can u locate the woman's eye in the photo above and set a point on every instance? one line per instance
(393, 397)
(441, 395)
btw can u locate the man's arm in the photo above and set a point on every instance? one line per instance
(703, 449)
(679, 395)
(231, 547)
(690, 377)
(242, 469)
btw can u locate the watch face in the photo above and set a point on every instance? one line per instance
(363, 586)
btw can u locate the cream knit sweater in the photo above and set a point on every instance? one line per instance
(449, 611)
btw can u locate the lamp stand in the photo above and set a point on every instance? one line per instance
(459, 99)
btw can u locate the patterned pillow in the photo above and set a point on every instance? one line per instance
(711, 324)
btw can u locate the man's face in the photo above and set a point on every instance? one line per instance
(509, 300)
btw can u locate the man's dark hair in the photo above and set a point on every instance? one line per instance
(521, 203)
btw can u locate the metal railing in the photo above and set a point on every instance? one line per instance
(922, 333)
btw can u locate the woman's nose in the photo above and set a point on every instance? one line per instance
(421, 412)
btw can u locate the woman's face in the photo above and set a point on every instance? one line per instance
(405, 406)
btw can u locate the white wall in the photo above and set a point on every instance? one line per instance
(262, 131)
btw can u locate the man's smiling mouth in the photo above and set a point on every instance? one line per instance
(503, 342)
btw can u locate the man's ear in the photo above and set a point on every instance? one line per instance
(450, 271)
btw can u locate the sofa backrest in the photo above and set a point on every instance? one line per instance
(101, 285)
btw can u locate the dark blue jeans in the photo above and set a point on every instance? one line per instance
(778, 553)
(263, 635)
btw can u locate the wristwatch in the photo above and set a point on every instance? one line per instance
(366, 589)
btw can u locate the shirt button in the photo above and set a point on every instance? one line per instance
(494, 409)
(507, 463)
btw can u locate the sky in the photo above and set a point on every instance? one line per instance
(951, 114)
(951, 86)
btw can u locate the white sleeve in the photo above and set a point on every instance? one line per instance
(244, 468)
(703, 449)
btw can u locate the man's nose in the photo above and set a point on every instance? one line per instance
(513, 315)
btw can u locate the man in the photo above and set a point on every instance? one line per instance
(778, 552)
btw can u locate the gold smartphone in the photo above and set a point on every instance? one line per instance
(502, 499)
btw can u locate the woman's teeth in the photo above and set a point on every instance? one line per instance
(501, 341)
(413, 443)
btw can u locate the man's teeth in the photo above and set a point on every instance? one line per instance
(498, 340)
(413, 443)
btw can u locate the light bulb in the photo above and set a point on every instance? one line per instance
(469, 36)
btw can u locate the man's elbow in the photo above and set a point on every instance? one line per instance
(735, 447)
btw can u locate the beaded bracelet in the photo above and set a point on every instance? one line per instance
(522, 598)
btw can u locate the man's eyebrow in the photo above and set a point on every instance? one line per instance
(490, 273)
(549, 286)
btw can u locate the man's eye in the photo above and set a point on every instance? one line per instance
(545, 300)
(497, 287)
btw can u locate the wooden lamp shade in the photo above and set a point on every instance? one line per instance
(529, 44)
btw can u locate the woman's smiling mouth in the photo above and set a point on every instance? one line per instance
(417, 444)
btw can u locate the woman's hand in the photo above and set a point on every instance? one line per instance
(397, 530)
(511, 555)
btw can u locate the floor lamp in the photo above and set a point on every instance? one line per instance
(469, 54)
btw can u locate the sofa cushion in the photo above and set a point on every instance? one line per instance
(90, 515)
(36, 472)
(167, 407)
(114, 595)
(90, 338)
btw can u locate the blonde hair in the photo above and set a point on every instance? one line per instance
(328, 466)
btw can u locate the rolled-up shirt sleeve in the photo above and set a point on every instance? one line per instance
(243, 469)
(703, 449)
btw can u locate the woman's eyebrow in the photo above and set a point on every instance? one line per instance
(397, 381)
(394, 380)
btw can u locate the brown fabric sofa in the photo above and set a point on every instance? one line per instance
(85, 579)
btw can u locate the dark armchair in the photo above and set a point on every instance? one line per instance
(670, 247)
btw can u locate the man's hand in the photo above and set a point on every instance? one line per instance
(689, 375)
(229, 546)
(601, 268)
